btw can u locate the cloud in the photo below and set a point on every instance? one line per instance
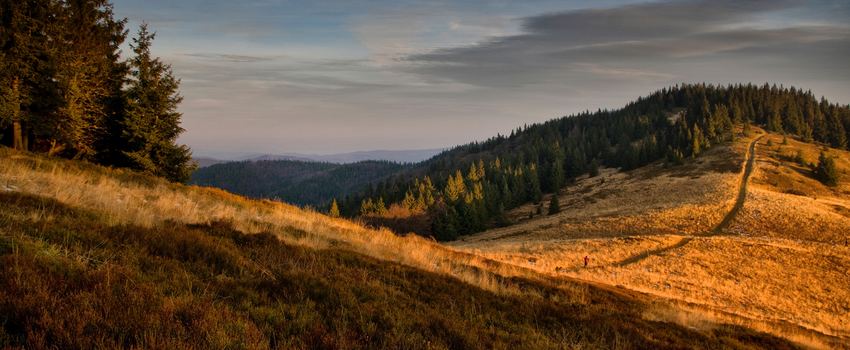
(629, 42)
(233, 58)
(340, 75)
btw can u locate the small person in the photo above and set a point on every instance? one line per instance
(586, 259)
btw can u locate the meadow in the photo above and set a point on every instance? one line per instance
(781, 266)
(100, 258)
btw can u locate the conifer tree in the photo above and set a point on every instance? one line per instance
(825, 170)
(554, 205)
(29, 92)
(152, 124)
(747, 127)
(594, 168)
(380, 207)
(774, 122)
(334, 209)
(696, 146)
(89, 74)
(455, 187)
(409, 202)
(367, 207)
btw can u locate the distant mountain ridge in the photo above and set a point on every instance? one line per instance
(396, 156)
(295, 181)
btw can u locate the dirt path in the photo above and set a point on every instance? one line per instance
(739, 203)
(742, 192)
(648, 253)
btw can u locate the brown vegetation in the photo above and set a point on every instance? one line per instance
(780, 267)
(93, 257)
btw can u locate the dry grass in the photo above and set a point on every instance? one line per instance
(121, 197)
(651, 200)
(782, 267)
(93, 257)
(786, 202)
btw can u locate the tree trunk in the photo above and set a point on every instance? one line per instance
(18, 142)
(17, 135)
(55, 148)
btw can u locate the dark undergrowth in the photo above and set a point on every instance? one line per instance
(69, 281)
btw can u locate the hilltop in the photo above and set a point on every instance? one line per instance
(93, 257)
(475, 187)
(774, 258)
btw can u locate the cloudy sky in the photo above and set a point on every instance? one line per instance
(274, 76)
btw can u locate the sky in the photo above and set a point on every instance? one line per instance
(320, 77)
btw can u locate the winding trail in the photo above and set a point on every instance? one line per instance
(742, 191)
(739, 203)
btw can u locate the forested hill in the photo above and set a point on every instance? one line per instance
(467, 189)
(297, 182)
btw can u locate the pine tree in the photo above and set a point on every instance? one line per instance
(825, 170)
(380, 207)
(29, 90)
(334, 209)
(554, 205)
(532, 183)
(152, 123)
(455, 187)
(696, 143)
(367, 207)
(89, 74)
(409, 201)
(594, 168)
(774, 122)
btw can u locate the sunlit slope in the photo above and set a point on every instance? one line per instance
(785, 201)
(781, 265)
(91, 257)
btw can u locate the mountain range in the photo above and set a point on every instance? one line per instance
(397, 156)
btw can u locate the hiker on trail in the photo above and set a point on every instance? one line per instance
(586, 259)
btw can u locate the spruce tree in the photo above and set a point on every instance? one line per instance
(152, 124)
(696, 142)
(594, 168)
(29, 92)
(825, 170)
(334, 209)
(89, 74)
(554, 205)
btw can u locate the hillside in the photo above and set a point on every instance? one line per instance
(296, 182)
(93, 257)
(774, 259)
(475, 187)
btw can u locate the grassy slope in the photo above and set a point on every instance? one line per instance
(779, 267)
(96, 258)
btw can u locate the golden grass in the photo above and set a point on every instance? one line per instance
(122, 197)
(781, 267)
(629, 214)
(651, 200)
(785, 201)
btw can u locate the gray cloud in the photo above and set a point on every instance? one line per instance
(340, 75)
(635, 41)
